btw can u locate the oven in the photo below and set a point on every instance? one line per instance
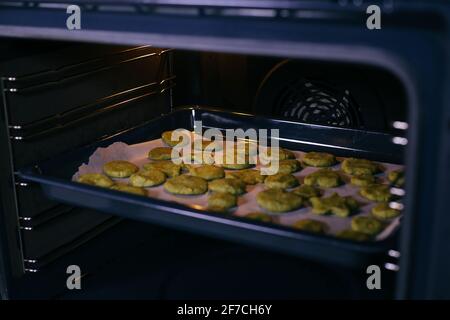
(315, 71)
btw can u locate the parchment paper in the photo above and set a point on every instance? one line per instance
(137, 154)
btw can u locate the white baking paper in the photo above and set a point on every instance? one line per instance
(137, 154)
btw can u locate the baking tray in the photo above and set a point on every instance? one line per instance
(55, 175)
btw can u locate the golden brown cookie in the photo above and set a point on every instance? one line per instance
(319, 159)
(325, 178)
(235, 161)
(354, 166)
(186, 184)
(306, 191)
(362, 180)
(278, 200)
(166, 137)
(366, 225)
(221, 201)
(233, 186)
(168, 167)
(246, 147)
(283, 154)
(376, 192)
(96, 179)
(129, 189)
(119, 169)
(288, 166)
(248, 176)
(382, 211)
(334, 204)
(147, 178)
(206, 171)
(281, 181)
(160, 153)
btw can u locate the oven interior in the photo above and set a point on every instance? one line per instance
(61, 96)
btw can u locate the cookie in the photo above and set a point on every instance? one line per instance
(362, 180)
(168, 167)
(236, 161)
(278, 200)
(186, 184)
(129, 189)
(259, 216)
(306, 191)
(376, 192)
(207, 172)
(160, 153)
(197, 157)
(319, 159)
(221, 201)
(325, 178)
(233, 186)
(354, 166)
(248, 176)
(334, 204)
(247, 147)
(288, 166)
(311, 225)
(166, 137)
(382, 211)
(366, 225)
(396, 177)
(119, 169)
(96, 179)
(283, 154)
(353, 235)
(147, 178)
(281, 181)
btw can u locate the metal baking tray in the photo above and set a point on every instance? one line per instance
(54, 176)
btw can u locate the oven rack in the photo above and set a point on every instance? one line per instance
(54, 83)
(54, 176)
(72, 72)
(103, 105)
(35, 264)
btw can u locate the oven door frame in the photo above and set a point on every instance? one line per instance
(423, 266)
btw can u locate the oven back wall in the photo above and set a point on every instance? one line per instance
(270, 86)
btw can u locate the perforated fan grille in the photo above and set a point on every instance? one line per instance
(319, 103)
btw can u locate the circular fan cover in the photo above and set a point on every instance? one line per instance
(319, 103)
